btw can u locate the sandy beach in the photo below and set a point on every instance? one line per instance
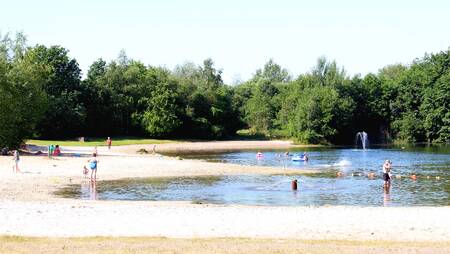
(28, 207)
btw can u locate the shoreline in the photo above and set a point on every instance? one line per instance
(29, 208)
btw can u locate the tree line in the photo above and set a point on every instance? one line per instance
(43, 95)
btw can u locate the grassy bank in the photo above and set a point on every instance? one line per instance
(116, 141)
(127, 245)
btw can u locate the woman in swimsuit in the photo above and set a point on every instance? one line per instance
(93, 165)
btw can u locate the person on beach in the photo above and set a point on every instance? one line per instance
(93, 162)
(57, 151)
(5, 151)
(387, 173)
(51, 149)
(16, 159)
(108, 142)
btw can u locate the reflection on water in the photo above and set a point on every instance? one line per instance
(347, 177)
(88, 190)
(387, 195)
(270, 190)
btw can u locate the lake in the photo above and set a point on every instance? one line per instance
(343, 180)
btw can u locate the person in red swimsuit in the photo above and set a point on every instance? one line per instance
(57, 151)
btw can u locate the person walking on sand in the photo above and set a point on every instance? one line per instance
(108, 142)
(16, 159)
(387, 173)
(93, 162)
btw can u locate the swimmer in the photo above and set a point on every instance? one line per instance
(371, 175)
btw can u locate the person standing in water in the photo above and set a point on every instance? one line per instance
(387, 173)
(93, 162)
(305, 156)
(16, 159)
(108, 142)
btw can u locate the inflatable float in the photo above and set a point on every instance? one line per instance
(298, 158)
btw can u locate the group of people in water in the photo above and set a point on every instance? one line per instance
(386, 168)
(298, 157)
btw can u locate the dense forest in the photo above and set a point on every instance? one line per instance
(43, 95)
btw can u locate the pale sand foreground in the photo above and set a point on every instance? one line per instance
(28, 208)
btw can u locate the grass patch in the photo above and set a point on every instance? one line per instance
(128, 245)
(116, 141)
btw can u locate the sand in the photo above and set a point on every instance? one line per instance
(29, 208)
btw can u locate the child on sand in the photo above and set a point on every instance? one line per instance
(16, 159)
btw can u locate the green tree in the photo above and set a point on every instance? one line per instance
(162, 115)
(258, 112)
(314, 114)
(22, 99)
(65, 116)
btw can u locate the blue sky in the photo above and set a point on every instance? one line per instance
(240, 36)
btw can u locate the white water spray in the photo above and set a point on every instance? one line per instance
(362, 135)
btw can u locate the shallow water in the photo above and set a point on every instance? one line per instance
(352, 187)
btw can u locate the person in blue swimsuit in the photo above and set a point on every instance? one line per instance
(93, 162)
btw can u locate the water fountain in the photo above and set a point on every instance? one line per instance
(362, 135)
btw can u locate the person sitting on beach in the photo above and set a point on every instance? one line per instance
(387, 173)
(57, 151)
(5, 150)
(93, 166)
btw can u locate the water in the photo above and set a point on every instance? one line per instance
(351, 187)
(407, 161)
